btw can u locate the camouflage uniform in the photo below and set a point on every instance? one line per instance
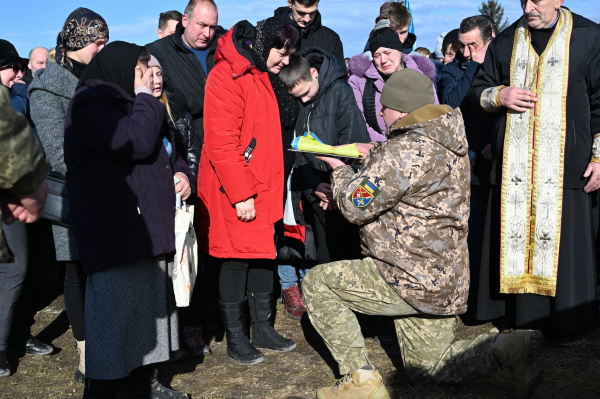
(411, 200)
(23, 165)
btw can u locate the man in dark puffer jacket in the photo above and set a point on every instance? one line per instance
(318, 79)
(188, 56)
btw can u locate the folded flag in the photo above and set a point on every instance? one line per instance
(309, 142)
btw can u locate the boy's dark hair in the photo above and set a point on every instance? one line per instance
(492, 24)
(288, 37)
(478, 21)
(296, 72)
(167, 16)
(396, 12)
(305, 3)
(144, 55)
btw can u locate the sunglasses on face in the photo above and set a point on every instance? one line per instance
(17, 67)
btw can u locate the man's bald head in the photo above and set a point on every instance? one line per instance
(38, 58)
(189, 9)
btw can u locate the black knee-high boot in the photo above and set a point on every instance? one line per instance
(238, 345)
(264, 336)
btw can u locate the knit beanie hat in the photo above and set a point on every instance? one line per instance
(407, 90)
(153, 62)
(438, 46)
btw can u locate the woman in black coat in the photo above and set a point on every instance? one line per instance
(120, 177)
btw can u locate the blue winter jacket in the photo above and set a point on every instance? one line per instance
(453, 88)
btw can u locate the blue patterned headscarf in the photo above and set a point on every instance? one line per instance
(82, 27)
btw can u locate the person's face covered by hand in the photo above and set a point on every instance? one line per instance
(387, 60)
(472, 46)
(143, 76)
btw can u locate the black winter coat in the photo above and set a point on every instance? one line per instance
(183, 72)
(316, 34)
(332, 115)
(187, 143)
(583, 94)
(183, 130)
(119, 176)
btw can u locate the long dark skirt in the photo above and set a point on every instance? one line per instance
(130, 318)
(573, 310)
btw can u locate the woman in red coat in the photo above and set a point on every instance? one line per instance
(241, 179)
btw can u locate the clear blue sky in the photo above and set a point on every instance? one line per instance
(31, 23)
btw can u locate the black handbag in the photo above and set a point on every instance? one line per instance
(57, 202)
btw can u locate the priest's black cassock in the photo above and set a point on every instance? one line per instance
(571, 307)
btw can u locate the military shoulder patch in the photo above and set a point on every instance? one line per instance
(364, 194)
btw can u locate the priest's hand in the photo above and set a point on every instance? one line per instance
(517, 99)
(593, 172)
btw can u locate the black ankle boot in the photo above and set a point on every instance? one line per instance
(4, 365)
(143, 384)
(238, 345)
(264, 336)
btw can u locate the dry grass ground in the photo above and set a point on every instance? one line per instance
(570, 372)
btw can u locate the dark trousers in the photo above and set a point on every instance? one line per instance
(15, 319)
(75, 280)
(236, 276)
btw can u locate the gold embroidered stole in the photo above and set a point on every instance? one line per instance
(533, 164)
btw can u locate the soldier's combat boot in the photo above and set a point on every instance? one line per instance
(264, 336)
(360, 384)
(519, 351)
(238, 345)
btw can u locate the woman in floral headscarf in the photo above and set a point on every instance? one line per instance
(83, 35)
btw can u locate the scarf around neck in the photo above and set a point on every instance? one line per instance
(266, 31)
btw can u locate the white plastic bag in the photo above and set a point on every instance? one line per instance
(186, 253)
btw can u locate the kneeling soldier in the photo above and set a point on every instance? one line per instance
(411, 200)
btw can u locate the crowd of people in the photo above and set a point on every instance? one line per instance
(476, 192)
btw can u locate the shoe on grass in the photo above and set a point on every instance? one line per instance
(36, 347)
(194, 341)
(350, 387)
(293, 303)
(4, 365)
(520, 352)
